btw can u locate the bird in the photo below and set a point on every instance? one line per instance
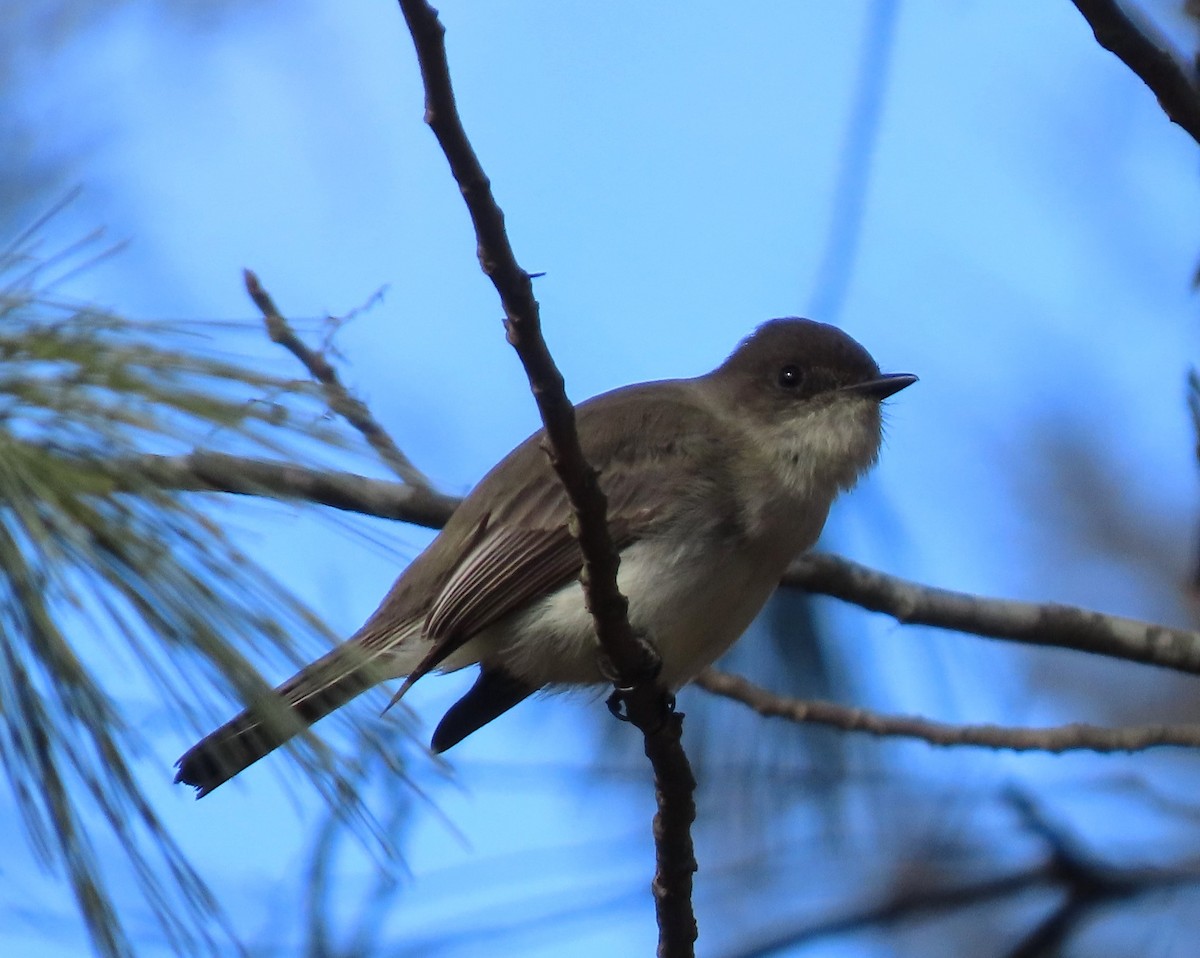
(714, 485)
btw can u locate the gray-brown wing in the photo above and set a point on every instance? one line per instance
(654, 455)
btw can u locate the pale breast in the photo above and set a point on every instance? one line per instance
(692, 602)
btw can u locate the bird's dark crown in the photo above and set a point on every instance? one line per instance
(799, 358)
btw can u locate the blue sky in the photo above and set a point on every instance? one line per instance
(1026, 246)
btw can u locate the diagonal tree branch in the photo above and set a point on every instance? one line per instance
(1177, 93)
(340, 399)
(634, 662)
(1064, 626)
(1062, 738)
(1048, 624)
(240, 475)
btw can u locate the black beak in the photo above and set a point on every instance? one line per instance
(881, 387)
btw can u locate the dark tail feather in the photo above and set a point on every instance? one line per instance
(493, 694)
(311, 694)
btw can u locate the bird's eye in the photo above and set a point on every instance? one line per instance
(790, 376)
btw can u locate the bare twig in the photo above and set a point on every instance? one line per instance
(1050, 624)
(1177, 93)
(340, 399)
(1062, 738)
(633, 661)
(219, 472)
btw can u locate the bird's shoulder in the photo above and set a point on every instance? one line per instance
(650, 424)
(643, 440)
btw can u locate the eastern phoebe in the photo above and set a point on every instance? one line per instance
(714, 485)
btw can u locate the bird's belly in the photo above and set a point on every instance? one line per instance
(693, 604)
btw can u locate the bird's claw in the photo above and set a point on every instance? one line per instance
(618, 704)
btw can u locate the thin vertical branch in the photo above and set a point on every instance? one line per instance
(634, 662)
(675, 856)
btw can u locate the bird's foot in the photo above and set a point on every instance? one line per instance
(637, 697)
(621, 704)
